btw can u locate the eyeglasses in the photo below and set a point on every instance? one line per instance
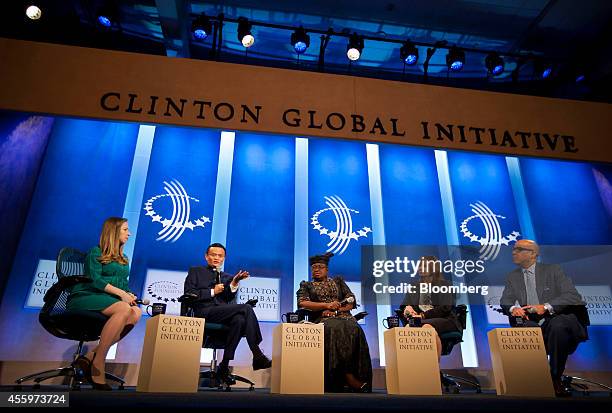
(521, 249)
(318, 266)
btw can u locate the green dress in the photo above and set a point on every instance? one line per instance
(91, 296)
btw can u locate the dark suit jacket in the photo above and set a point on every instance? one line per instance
(443, 304)
(200, 280)
(552, 286)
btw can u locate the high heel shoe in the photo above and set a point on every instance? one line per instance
(95, 385)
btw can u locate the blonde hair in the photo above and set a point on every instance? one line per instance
(111, 247)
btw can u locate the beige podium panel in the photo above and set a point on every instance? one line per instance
(170, 360)
(411, 361)
(297, 359)
(520, 365)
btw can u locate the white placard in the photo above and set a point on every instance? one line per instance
(599, 303)
(44, 278)
(492, 303)
(267, 291)
(355, 287)
(163, 286)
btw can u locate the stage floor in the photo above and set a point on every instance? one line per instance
(262, 400)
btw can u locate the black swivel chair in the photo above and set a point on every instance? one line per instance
(580, 383)
(77, 325)
(215, 335)
(449, 340)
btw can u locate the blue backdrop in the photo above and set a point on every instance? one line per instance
(185, 187)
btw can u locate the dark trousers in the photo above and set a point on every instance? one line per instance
(562, 334)
(242, 322)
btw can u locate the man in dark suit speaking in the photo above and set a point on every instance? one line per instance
(216, 291)
(542, 295)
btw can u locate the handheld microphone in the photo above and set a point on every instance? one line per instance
(217, 274)
(347, 300)
(144, 301)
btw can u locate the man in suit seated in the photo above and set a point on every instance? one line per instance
(215, 291)
(542, 295)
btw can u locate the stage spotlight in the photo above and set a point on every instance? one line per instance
(107, 16)
(409, 53)
(201, 27)
(354, 47)
(244, 32)
(455, 59)
(494, 64)
(33, 12)
(580, 77)
(300, 40)
(543, 70)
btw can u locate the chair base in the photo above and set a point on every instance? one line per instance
(76, 378)
(583, 384)
(448, 381)
(211, 375)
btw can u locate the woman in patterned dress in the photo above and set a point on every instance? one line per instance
(347, 356)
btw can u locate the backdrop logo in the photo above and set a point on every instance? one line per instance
(165, 291)
(340, 238)
(493, 238)
(173, 228)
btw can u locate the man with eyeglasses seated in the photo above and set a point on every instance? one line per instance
(216, 290)
(542, 295)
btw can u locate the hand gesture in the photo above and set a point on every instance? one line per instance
(539, 308)
(128, 298)
(219, 289)
(333, 306)
(240, 275)
(519, 312)
(409, 311)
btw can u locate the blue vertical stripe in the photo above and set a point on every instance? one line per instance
(383, 304)
(468, 346)
(222, 191)
(300, 244)
(136, 186)
(520, 198)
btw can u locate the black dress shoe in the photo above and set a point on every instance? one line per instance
(261, 362)
(560, 389)
(223, 375)
(101, 386)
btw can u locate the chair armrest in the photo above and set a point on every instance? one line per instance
(360, 315)
(188, 298)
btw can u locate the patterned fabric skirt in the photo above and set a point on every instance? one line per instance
(346, 351)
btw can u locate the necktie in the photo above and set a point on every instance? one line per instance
(530, 285)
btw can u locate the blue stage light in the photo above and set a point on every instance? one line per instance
(579, 78)
(455, 59)
(300, 40)
(494, 64)
(546, 72)
(409, 53)
(105, 21)
(300, 47)
(201, 27)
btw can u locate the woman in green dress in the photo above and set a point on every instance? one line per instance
(347, 356)
(108, 293)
